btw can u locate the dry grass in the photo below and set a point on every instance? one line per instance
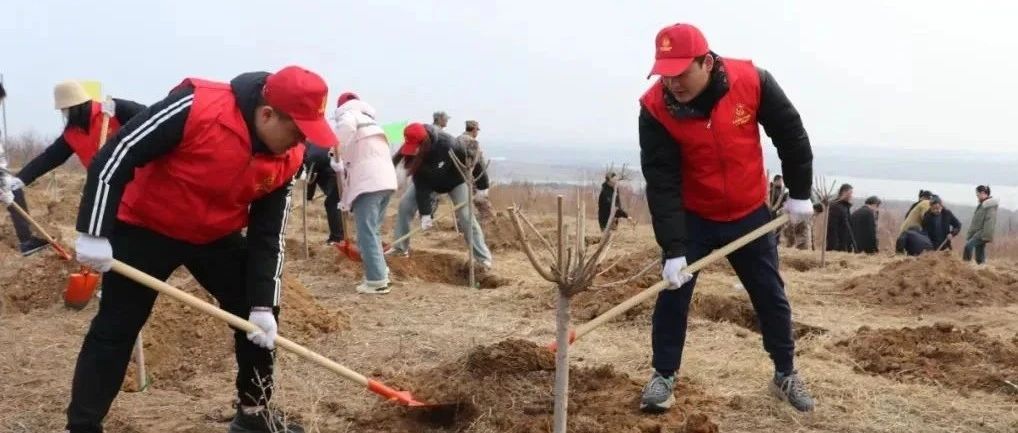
(423, 324)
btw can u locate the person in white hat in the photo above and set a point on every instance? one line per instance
(83, 119)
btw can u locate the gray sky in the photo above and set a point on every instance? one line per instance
(891, 73)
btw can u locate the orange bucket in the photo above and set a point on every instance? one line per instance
(80, 288)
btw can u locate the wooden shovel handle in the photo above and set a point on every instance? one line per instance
(693, 268)
(105, 127)
(218, 313)
(60, 250)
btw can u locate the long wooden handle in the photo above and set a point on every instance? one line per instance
(418, 229)
(696, 266)
(207, 308)
(105, 127)
(60, 250)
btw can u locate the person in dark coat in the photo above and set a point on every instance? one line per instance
(604, 201)
(864, 226)
(940, 225)
(913, 242)
(317, 163)
(839, 229)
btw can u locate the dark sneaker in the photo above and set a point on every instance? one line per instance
(658, 394)
(790, 388)
(32, 246)
(264, 421)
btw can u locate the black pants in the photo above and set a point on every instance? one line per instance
(756, 264)
(327, 183)
(21, 225)
(219, 267)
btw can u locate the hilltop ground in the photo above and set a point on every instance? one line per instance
(886, 344)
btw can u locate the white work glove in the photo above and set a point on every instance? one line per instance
(799, 210)
(674, 273)
(338, 166)
(13, 183)
(482, 194)
(94, 252)
(109, 108)
(427, 222)
(263, 318)
(6, 197)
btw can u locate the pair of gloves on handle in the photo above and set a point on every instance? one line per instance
(674, 271)
(97, 253)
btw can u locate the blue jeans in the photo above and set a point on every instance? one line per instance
(977, 244)
(369, 212)
(408, 208)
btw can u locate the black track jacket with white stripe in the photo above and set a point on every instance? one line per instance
(157, 132)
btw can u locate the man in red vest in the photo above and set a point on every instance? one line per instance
(702, 159)
(175, 188)
(83, 119)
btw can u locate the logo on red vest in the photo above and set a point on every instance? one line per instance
(742, 115)
(265, 185)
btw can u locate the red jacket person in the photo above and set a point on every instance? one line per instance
(174, 188)
(83, 119)
(701, 155)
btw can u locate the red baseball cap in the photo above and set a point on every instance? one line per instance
(675, 47)
(413, 135)
(302, 95)
(346, 96)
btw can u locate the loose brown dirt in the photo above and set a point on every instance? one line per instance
(506, 388)
(940, 355)
(933, 282)
(440, 267)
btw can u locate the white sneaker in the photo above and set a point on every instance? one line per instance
(374, 287)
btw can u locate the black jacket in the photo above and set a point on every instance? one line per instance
(937, 227)
(437, 172)
(661, 160)
(864, 230)
(839, 228)
(604, 205)
(58, 152)
(151, 140)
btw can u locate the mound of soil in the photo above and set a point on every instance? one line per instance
(508, 388)
(933, 282)
(30, 283)
(806, 264)
(738, 311)
(940, 355)
(441, 268)
(181, 343)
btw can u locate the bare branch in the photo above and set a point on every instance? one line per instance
(650, 265)
(522, 237)
(540, 235)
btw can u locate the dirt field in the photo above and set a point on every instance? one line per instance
(886, 344)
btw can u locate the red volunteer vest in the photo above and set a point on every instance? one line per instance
(722, 161)
(201, 191)
(84, 143)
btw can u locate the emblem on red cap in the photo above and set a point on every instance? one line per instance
(666, 44)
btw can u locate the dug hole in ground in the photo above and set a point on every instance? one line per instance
(886, 344)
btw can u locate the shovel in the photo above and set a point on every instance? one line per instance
(53, 243)
(344, 246)
(399, 397)
(80, 285)
(639, 298)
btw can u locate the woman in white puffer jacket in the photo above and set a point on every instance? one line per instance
(368, 180)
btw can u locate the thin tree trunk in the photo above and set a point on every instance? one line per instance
(561, 364)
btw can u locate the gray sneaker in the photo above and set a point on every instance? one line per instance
(658, 394)
(790, 388)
